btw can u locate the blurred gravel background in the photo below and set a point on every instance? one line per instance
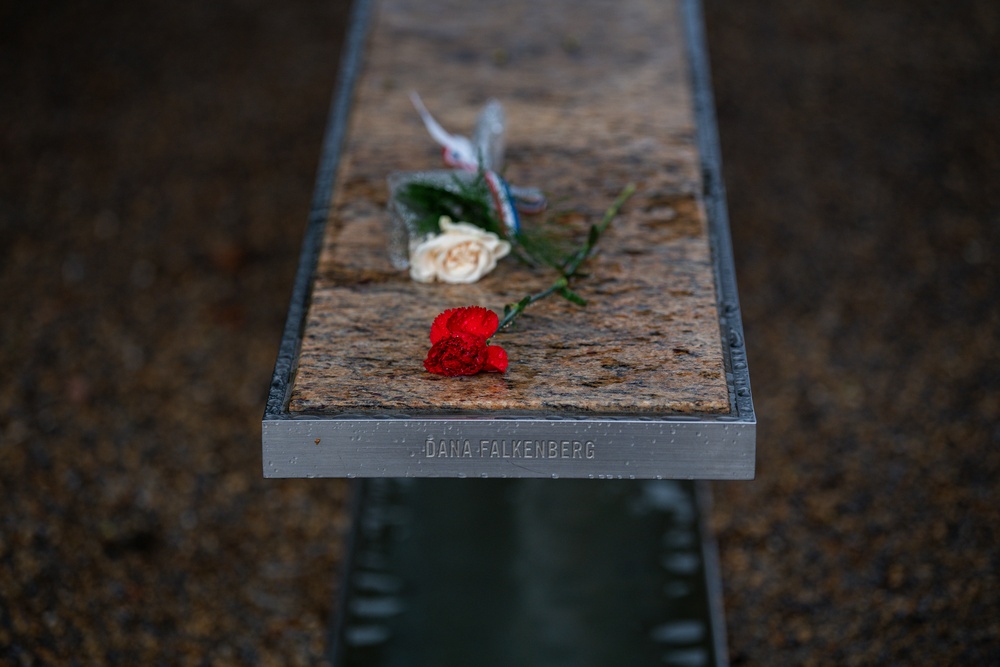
(861, 148)
(156, 165)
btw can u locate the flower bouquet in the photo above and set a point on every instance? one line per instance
(454, 225)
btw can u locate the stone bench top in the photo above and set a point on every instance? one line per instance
(597, 95)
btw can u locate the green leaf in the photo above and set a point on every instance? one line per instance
(594, 235)
(466, 202)
(572, 296)
(567, 263)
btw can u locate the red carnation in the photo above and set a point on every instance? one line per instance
(458, 343)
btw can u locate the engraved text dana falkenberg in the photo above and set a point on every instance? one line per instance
(504, 448)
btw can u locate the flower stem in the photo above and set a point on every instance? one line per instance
(561, 286)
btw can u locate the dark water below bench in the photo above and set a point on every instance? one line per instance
(527, 572)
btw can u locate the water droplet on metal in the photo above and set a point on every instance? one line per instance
(676, 589)
(366, 635)
(679, 632)
(689, 657)
(681, 563)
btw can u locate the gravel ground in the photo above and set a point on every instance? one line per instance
(861, 146)
(157, 165)
(158, 162)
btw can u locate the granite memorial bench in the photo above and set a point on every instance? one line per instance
(645, 387)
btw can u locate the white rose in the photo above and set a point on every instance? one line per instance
(461, 253)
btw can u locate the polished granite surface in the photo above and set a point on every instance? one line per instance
(147, 248)
(583, 122)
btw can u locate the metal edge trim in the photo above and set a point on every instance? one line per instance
(696, 449)
(312, 243)
(714, 193)
(713, 574)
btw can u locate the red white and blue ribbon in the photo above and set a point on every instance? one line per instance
(503, 201)
(459, 152)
